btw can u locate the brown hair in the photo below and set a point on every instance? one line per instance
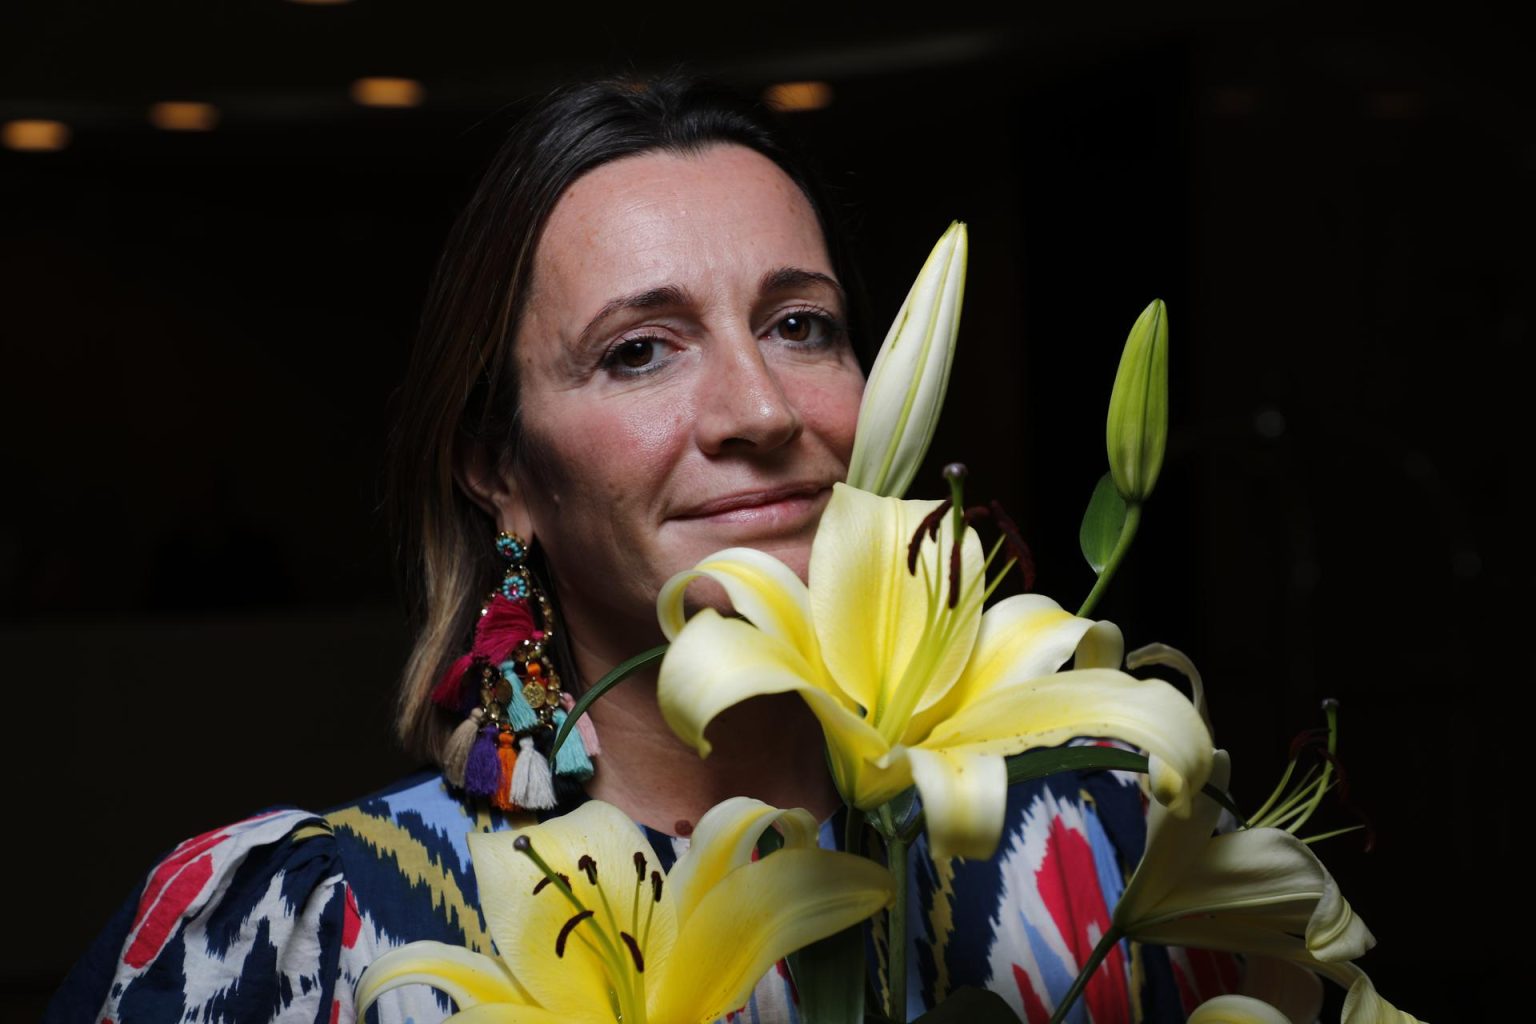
(460, 391)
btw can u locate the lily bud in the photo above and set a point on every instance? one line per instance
(1137, 430)
(906, 387)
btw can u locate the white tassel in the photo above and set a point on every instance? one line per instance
(533, 787)
(456, 750)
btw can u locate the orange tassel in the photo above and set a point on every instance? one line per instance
(506, 753)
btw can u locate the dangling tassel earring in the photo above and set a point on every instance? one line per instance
(509, 691)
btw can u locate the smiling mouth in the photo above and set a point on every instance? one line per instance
(777, 506)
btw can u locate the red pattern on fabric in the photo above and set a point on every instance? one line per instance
(1068, 882)
(166, 871)
(1034, 1009)
(1214, 974)
(351, 920)
(1188, 1000)
(165, 915)
(335, 1010)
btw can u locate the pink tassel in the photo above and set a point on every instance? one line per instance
(584, 726)
(504, 625)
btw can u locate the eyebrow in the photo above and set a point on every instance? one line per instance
(785, 278)
(651, 298)
(780, 279)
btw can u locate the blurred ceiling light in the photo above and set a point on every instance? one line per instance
(184, 117)
(787, 96)
(37, 136)
(387, 92)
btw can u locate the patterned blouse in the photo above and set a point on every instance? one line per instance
(275, 917)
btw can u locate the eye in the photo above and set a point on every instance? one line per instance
(632, 354)
(808, 329)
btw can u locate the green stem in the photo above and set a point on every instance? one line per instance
(1095, 958)
(1127, 533)
(896, 932)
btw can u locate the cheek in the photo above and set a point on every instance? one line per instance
(832, 409)
(601, 455)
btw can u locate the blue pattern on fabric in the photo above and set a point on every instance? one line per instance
(279, 915)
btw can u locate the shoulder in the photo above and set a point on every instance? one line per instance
(214, 921)
(275, 917)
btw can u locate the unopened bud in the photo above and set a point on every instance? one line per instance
(1137, 429)
(906, 387)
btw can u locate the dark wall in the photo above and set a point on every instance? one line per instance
(201, 335)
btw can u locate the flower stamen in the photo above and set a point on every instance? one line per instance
(634, 952)
(565, 931)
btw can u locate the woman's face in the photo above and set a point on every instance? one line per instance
(686, 382)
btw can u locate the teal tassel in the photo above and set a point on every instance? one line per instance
(518, 711)
(571, 759)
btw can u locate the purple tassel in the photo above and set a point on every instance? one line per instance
(482, 772)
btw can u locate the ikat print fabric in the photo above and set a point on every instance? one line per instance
(274, 918)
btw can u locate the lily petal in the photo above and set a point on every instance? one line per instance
(964, 799)
(1265, 872)
(1172, 845)
(1363, 1006)
(725, 839)
(692, 688)
(507, 1013)
(565, 983)
(466, 977)
(1024, 637)
(760, 587)
(868, 643)
(792, 898)
(1233, 1009)
(1052, 709)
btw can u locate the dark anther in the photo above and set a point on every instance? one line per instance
(655, 886)
(564, 880)
(588, 865)
(639, 867)
(954, 574)
(634, 951)
(929, 526)
(565, 932)
(521, 844)
(1016, 546)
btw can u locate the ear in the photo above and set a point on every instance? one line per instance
(491, 483)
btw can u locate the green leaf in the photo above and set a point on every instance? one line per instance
(1102, 523)
(602, 686)
(967, 1005)
(829, 977)
(1035, 764)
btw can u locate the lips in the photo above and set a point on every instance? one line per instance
(772, 502)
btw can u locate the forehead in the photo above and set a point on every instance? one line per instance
(699, 220)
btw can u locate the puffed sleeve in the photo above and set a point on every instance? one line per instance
(246, 923)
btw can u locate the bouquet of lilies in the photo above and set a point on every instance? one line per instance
(932, 704)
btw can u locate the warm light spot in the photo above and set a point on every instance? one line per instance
(37, 136)
(798, 96)
(387, 92)
(184, 117)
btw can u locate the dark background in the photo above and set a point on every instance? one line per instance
(201, 334)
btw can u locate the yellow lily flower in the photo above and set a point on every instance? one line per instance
(588, 932)
(1259, 891)
(910, 686)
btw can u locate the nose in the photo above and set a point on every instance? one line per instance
(743, 402)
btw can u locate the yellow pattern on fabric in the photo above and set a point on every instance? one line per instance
(415, 864)
(941, 921)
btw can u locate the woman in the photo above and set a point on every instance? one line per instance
(637, 352)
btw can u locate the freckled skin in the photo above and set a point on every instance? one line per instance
(616, 459)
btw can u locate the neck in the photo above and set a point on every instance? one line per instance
(769, 748)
